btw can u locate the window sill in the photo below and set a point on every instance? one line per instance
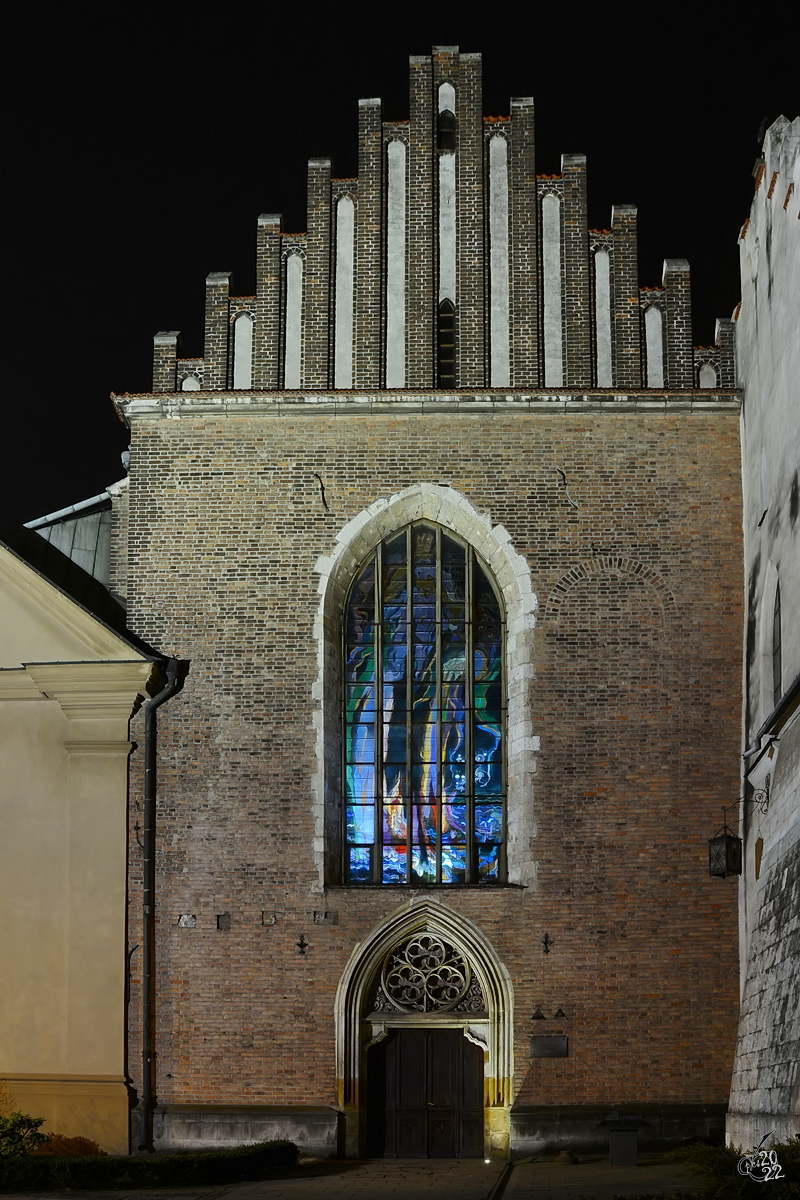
(424, 887)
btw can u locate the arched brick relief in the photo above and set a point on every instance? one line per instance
(603, 564)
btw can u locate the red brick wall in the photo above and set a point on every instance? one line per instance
(636, 701)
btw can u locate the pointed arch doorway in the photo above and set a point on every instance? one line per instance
(424, 1021)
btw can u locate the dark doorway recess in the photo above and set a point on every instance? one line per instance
(425, 1095)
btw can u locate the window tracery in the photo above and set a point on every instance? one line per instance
(427, 974)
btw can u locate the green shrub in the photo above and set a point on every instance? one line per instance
(717, 1167)
(58, 1145)
(39, 1173)
(19, 1134)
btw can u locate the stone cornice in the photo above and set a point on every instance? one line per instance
(173, 405)
(93, 690)
(99, 748)
(16, 684)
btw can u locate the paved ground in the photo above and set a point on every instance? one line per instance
(595, 1178)
(428, 1179)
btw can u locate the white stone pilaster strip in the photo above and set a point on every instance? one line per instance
(499, 267)
(343, 330)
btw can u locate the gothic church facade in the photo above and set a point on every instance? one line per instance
(447, 522)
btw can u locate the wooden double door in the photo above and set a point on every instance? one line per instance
(425, 1095)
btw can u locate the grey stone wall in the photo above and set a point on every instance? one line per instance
(764, 1092)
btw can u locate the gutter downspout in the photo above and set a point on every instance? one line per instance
(175, 677)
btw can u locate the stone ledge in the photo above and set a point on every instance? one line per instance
(313, 1128)
(175, 405)
(541, 1129)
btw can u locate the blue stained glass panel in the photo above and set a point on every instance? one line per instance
(454, 780)
(360, 823)
(361, 743)
(425, 661)
(453, 696)
(488, 822)
(360, 862)
(394, 663)
(423, 864)
(454, 744)
(487, 662)
(453, 639)
(395, 584)
(394, 743)
(453, 615)
(361, 663)
(394, 697)
(454, 823)
(395, 825)
(488, 738)
(395, 549)
(395, 782)
(454, 569)
(490, 695)
(423, 743)
(454, 864)
(395, 590)
(360, 699)
(394, 623)
(468, 739)
(362, 604)
(423, 584)
(423, 782)
(488, 862)
(488, 779)
(423, 824)
(394, 864)
(360, 626)
(425, 630)
(360, 782)
(454, 662)
(423, 698)
(484, 592)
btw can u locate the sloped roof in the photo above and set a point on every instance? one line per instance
(61, 573)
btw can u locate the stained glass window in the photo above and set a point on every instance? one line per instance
(424, 716)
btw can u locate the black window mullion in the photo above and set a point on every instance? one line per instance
(345, 845)
(377, 851)
(469, 717)
(438, 702)
(502, 862)
(409, 699)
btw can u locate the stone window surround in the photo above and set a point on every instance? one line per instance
(355, 541)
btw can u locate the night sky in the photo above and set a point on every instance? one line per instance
(140, 156)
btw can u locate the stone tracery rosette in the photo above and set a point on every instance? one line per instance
(427, 974)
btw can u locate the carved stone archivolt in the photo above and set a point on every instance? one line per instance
(427, 974)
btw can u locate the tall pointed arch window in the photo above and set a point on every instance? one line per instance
(425, 705)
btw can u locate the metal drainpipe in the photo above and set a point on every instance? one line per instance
(174, 680)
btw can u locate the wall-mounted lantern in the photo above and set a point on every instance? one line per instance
(725, 854)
